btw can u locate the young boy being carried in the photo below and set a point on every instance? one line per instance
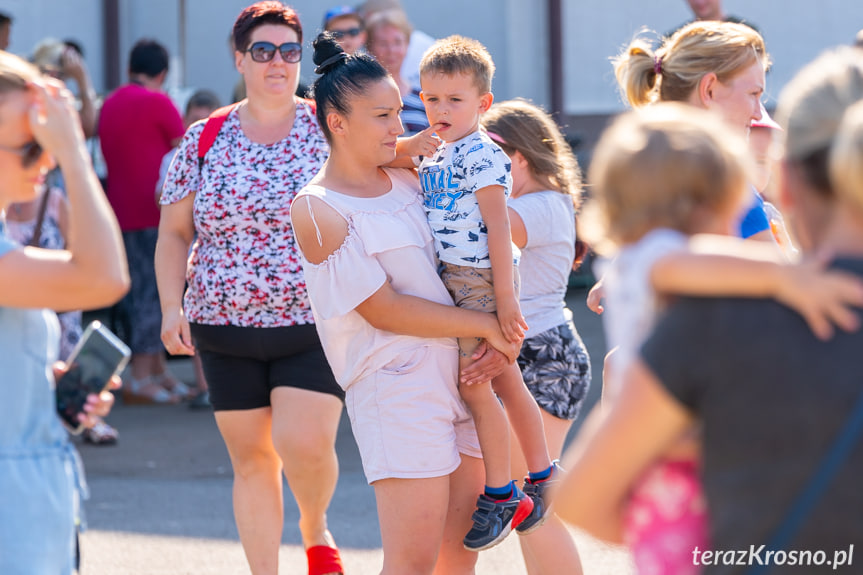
(466, 182)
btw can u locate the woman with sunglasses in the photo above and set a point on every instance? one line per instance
(40, 475)
(276, 401)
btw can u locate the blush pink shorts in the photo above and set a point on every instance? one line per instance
(408, 418)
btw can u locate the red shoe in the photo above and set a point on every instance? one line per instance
(324, 560)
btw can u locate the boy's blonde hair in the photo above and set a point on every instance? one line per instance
(846, 161)
(673, 71)
(527, 129)
(664, 167)
(460, 55)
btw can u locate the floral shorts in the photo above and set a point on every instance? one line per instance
(556, 369)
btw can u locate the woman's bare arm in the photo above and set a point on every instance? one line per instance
(642, 423)
(92, 271)
(176, 232)
(387, 309)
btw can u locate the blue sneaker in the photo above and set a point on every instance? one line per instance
(493, 520)
(538, 492)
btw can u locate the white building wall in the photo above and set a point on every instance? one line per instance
(35, 20)
(515, 32)
(594, 30)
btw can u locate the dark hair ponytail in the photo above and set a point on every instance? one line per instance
(342, 77)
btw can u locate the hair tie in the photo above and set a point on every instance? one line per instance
(330, 61)
(657, 65)
(496, 138)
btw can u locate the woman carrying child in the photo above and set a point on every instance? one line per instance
(769, 413)
(387, 322)
(715, 66)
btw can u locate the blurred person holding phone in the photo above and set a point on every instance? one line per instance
(44, 221)
(41, 481)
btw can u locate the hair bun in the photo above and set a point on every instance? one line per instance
(328, 53)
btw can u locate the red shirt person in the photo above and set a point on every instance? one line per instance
(138, 125)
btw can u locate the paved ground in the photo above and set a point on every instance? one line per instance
(161, 498)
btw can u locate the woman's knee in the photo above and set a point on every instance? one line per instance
(305, 447)
(259, 462)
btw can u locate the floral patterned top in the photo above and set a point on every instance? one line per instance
(244, 268)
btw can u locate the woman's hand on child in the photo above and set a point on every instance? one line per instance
(595, 297)
(822, 296)
(487, 364)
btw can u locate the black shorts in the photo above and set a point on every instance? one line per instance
(244, 364)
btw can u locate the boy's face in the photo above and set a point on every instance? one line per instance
(455, 103)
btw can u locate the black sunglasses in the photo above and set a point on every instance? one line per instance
(30, 153)
(291, 52)
(352, 32)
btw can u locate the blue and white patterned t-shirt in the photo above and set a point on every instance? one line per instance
(449, 181)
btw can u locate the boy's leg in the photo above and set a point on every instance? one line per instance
(412, 514)
(551, 548)
(502, 505)
(492, 427)
(524, 418)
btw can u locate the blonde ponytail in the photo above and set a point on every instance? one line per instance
(636, 72)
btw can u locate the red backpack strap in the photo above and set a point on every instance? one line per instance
(211, 131)
(313, 106)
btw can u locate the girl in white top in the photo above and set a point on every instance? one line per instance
(546, 189)
(386, 321)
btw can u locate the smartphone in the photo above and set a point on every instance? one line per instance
(97, 357)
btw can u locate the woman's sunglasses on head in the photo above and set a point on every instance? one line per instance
(30, 153)
(291, 52)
